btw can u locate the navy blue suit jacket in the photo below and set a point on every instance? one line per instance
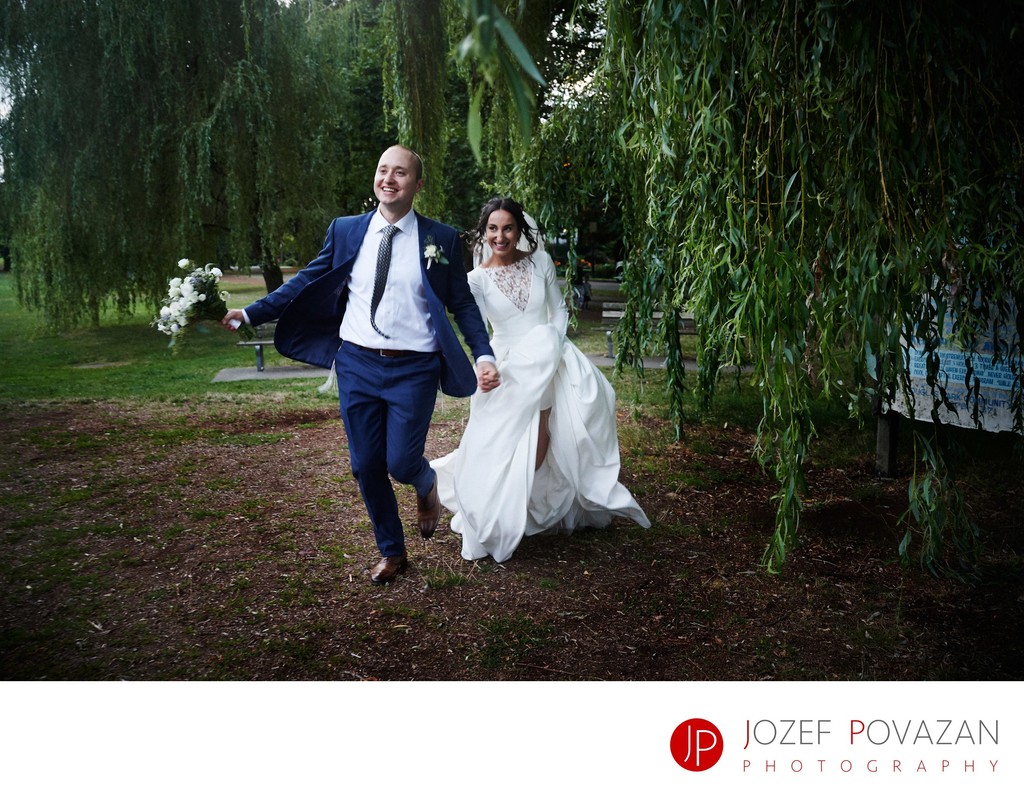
(309, 307)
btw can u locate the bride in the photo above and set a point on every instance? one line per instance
(541, 451)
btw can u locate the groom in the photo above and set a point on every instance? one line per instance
(373, 303)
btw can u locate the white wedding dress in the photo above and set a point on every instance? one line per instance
(489, 482)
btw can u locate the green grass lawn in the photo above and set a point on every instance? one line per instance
(126, 357)
(123, 358)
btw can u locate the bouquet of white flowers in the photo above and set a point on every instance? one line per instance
(190, 299)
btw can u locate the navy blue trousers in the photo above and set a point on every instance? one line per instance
(386, 404)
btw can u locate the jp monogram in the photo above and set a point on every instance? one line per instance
(696, 744)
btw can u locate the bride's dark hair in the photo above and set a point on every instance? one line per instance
(509, 205)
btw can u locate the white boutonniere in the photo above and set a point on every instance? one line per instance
(433, 252)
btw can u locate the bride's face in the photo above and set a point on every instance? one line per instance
(502, 234)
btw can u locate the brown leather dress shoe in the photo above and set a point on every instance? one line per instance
(428, 511)
(388, 569)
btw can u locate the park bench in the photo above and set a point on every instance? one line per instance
(263, 335)
(615, 310)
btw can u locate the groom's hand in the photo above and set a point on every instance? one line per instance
(233, 319)
(487, 376)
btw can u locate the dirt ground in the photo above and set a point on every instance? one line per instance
(186, 542)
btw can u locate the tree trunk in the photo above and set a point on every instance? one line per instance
(271, 275)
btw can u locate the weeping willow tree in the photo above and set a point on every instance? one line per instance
(819, 183)
(143, 131)
(140, 132)
(111, 117)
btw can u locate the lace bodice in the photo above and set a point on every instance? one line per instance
(514, 281)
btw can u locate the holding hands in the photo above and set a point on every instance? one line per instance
(487, 376)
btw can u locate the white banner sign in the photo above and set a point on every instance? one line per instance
(994, 376)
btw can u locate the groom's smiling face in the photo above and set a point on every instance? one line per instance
(397, 181)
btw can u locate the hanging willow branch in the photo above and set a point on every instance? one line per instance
(416, 81)
(818, 182)
(498, 54)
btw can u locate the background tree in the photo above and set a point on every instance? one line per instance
(332, 121)
(104, 96)
(228, 130)
(822, 184)
(812, 180)
(141, 131)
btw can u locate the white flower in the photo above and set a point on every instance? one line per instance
(192, 298)
(433, 252)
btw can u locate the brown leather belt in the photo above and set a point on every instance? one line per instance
(387, 352)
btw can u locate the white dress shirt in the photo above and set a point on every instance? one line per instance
(402, 313)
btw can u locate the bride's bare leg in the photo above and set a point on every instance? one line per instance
(543, 438)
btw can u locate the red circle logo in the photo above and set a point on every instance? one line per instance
(696, 744)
